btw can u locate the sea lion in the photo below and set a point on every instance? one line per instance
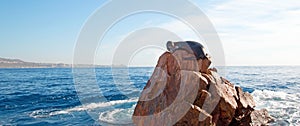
(190, 46)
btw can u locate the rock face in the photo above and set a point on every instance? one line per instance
(184, 91)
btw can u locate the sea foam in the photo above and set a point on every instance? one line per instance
(284, 107)
(117, 116)
(46, 113)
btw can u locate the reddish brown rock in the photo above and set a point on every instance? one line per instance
(260, 117)
(168, 94)
(184, 91)
(245, 104)
(255, 118)
(192, 117)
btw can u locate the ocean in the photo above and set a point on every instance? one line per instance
(53, 96)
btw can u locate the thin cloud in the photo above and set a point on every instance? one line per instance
(258, 29)
(253, 32)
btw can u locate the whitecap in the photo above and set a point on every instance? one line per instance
(39, 113)
(117, 116)
(42, 113)
(281, 105)
(92, 106)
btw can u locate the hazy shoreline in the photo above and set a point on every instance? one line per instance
(17, 63)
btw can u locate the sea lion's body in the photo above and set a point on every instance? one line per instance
(190, 46)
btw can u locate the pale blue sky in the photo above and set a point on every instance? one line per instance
(253, 32)
(42, 31)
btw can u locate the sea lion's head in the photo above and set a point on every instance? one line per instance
(170, 46)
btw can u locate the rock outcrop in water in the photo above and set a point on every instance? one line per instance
(184, 91)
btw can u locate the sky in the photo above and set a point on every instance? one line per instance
(252, 32)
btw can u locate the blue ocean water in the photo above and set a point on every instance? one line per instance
(49, 96)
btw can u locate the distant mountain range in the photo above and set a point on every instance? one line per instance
(17, 63)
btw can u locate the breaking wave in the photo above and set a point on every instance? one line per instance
(284, 107)
(105, 116)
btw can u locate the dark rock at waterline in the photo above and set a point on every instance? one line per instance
(255, 118)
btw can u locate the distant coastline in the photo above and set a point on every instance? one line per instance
(17, 63)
